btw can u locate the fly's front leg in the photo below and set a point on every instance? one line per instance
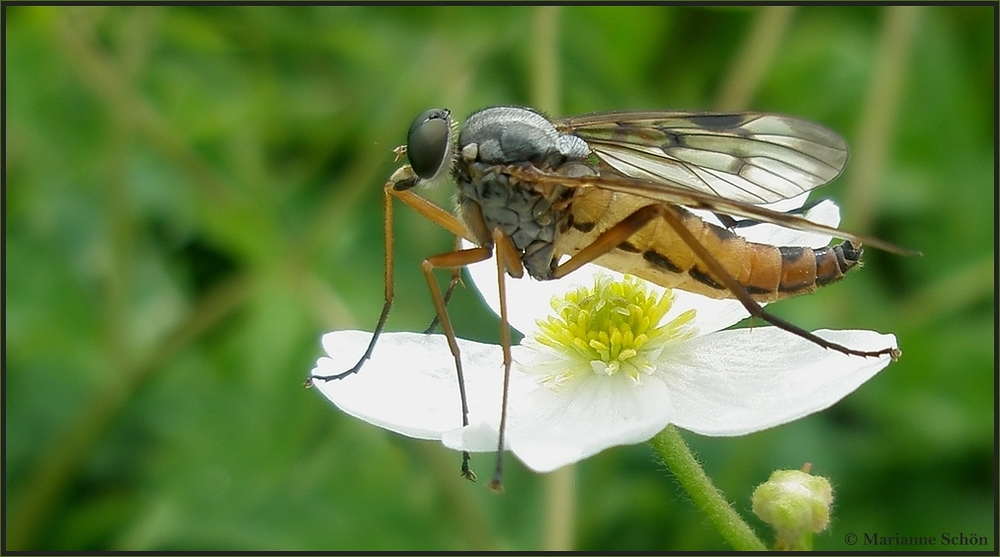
(398, 186)
(390, 294)
(453, 260)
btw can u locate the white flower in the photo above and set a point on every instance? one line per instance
(616, 362)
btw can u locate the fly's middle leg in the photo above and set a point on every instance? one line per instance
(454, 260)
(508, 263)
(456, 279)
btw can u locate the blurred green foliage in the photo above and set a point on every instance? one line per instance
(193, 197)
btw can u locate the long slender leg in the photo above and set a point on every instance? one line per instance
(508, 262)
(454, 259)
(608, 240)
(456, 279)
(390, 294)
(669, 214)
(398, 187)
(631, 224)
(432, 212)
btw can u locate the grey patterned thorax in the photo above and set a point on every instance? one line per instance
(530, 216)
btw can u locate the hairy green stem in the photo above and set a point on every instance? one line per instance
(677, 456)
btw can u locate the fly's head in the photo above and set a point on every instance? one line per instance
(430, 146)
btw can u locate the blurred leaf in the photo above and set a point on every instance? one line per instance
(193, 195)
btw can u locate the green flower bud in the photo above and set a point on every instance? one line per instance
(797, 504)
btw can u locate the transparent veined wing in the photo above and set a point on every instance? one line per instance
(744, 157)
(689, 197)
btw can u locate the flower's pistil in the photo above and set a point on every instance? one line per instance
(611, 328)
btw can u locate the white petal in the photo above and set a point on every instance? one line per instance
(710, 314)
(479, 437)
(482, 433)
(781, 206)
(741, 381)
(409, 385)
(549, 429)
(826, 212)
(789, 204)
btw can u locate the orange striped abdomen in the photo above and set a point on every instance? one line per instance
(655, 253)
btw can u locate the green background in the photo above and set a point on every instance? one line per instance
(193, 195)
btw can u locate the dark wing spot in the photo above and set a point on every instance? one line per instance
(583, 226)
(717, 121)
(670, 139)
(661, 260)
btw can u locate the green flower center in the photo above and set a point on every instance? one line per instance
(613, 327)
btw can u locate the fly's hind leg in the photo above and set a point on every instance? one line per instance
(669, 214)
(612, 237)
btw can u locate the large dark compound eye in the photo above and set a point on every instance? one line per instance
(428, 143)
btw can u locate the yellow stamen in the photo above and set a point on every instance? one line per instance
(610, 328)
